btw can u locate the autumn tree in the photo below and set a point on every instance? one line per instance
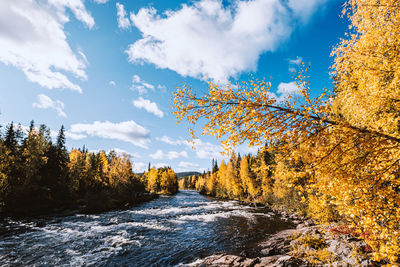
(221, 179)
(211, 183)
(34, 156)
(162, 180)
(172, 182)
(248, 179)
(103, 168)
(340, 152)
(38, 175)
(233, 180)
(76, 171)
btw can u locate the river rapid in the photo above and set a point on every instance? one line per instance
(169, 231)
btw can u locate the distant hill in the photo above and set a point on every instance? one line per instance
(185, 174)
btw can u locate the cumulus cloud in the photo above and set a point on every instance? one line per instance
(139, 166)
(32, 39)
(169, 155)
(185, 164)
(123, 20)
(205, 150)
(74, 136)
(125, 153)
(140, 86)
(111, 83)
(149, 106)
(170, 141)
(77, 7)
(206, 39)
(45, 102)
(287, 89)
(127, 131)
(303, 9)
(101, 1)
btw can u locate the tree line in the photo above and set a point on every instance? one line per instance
(252, 179)
(38, 175)
(337, 153)
(162, 180)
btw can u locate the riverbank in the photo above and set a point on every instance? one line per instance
(306, 245)
(93, 203)
(309, 244)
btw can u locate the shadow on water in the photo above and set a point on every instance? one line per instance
(164, 232)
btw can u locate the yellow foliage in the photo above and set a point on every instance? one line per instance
(161, 180)
(340, 154)
(211, 183)
(249, 183)
(312, 249)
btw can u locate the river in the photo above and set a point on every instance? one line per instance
(169, 231)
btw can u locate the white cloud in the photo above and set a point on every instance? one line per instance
(101, 1)
(296, 61)
(77, 7)
(119, 152)
(303, 9)
(112, 83)
(170, 155)
(149, 106)
(294, 64)
(32, 39)
(126, 153)
(74, 136)
(139, 166)
(170, 141)
(161, 165)
(208, 39)
(189, 165)
(45, 102)
(245, 149)
(123, 20)
(139, 85)
(287, 89)
(205, 150)
(127, 131)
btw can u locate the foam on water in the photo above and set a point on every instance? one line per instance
(169, 231)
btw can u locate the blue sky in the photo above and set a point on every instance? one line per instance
(106, 69)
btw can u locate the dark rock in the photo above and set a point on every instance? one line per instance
(244, 253)
(267, 261)
(228, 260)
(277, 244)
(275, 250)
(284, 261)
(297, 221)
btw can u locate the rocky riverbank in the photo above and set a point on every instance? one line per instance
(307, 245)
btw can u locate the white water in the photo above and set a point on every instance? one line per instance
(164, 232)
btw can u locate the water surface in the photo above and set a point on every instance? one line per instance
(168, 231)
